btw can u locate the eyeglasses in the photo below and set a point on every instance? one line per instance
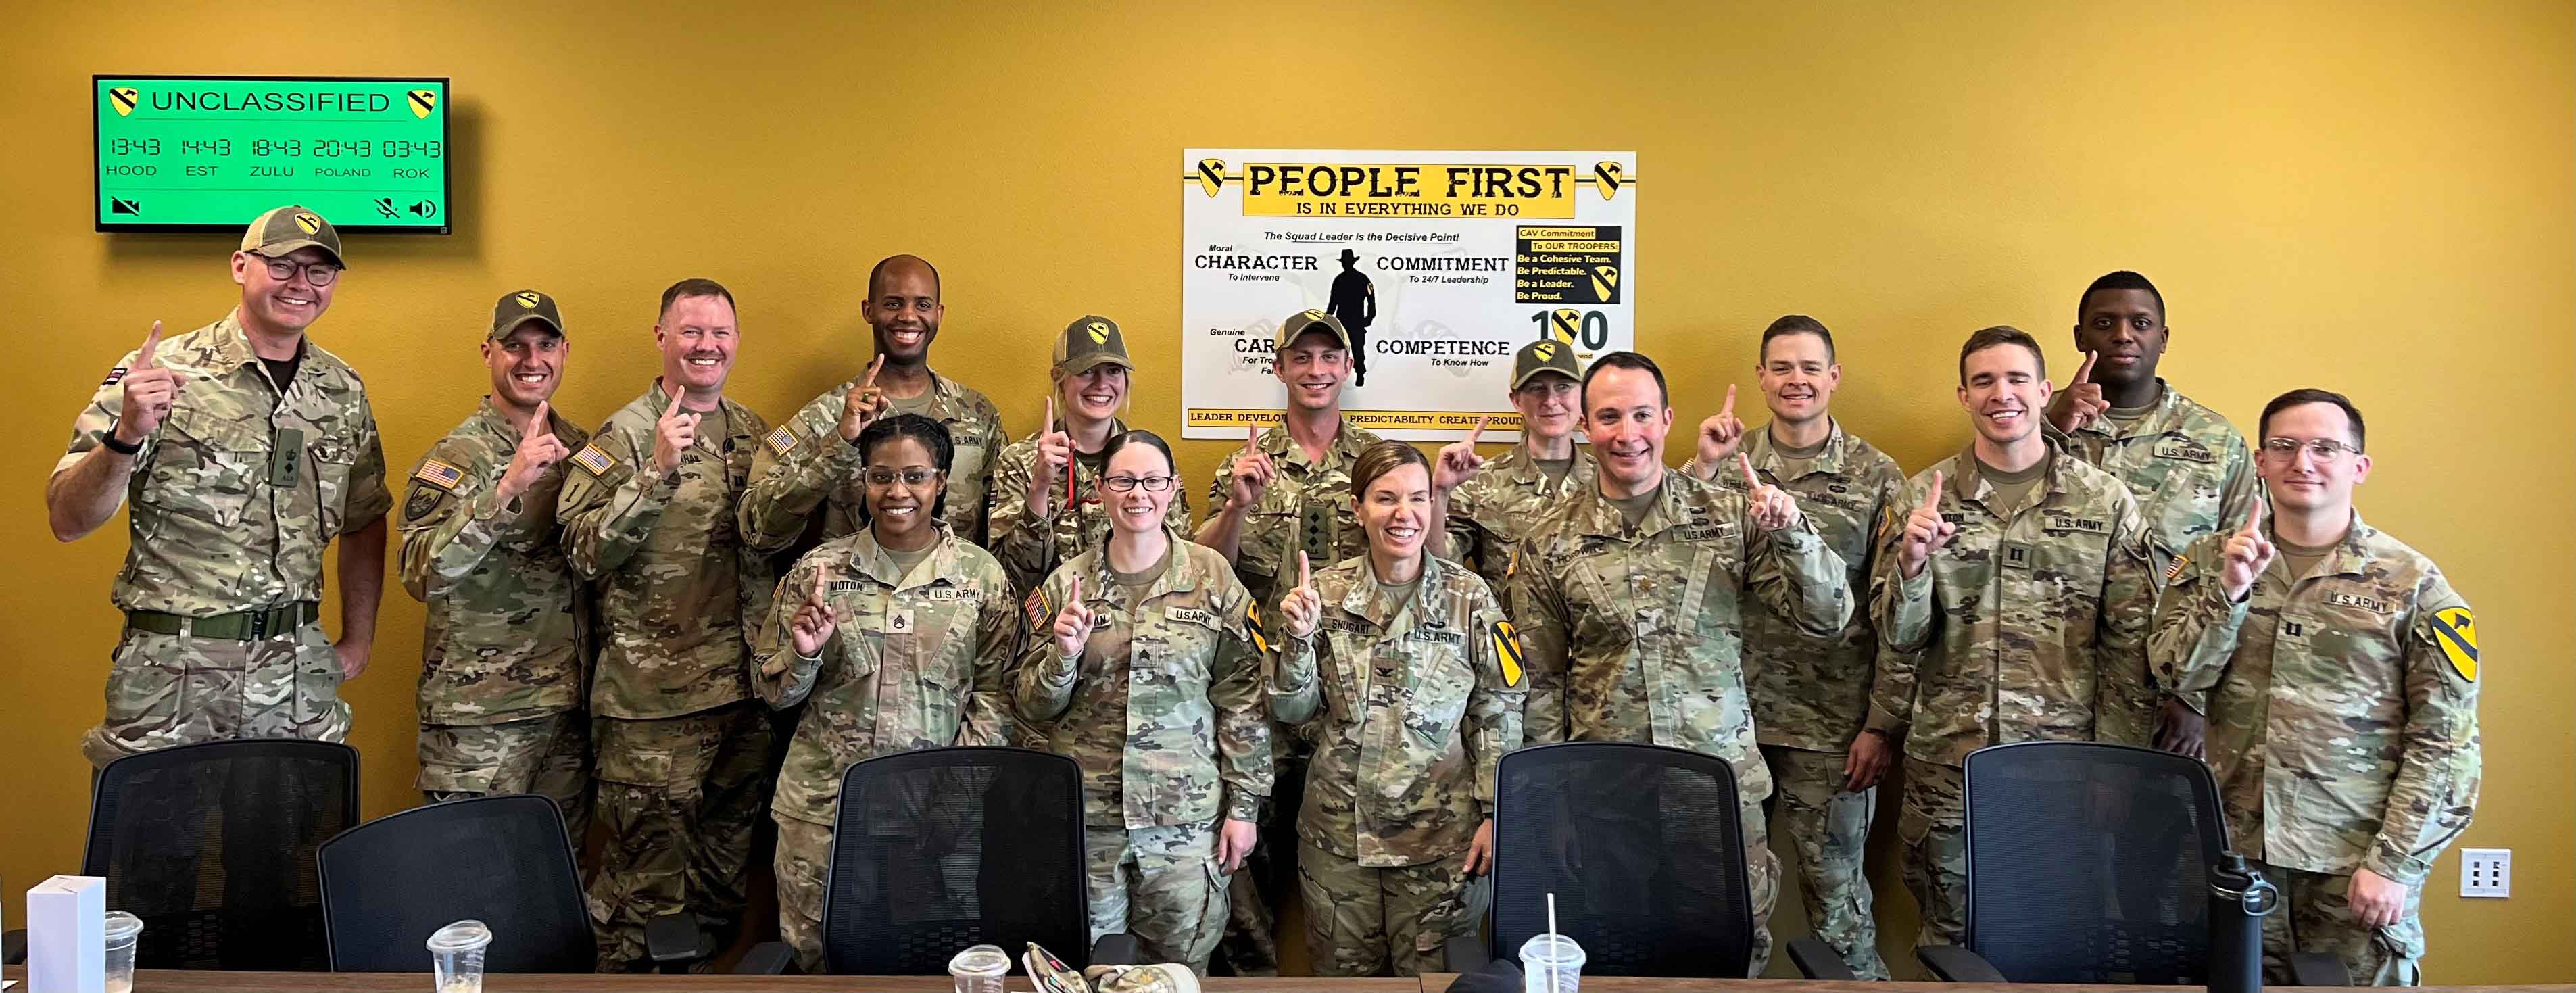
(911, 477)
(316, 273)
(1152, 484)
(2321, 449)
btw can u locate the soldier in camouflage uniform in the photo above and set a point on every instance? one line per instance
(2014, 596)
(899, 634)
(506, 650)
(1142, 662)
(1650, 574)
(648, 514)
(1288, 490)
(1811, 695)
(2339, 671)
(812, 460)
(2189, 469)
(245, 449)
(1416, 679)
(1488, 514)
(1043, 506)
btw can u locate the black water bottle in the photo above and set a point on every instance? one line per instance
(2239, 897)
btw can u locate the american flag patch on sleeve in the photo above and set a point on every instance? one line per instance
(2179, 563)
(439, 474)
(782, 441)
(594, 459)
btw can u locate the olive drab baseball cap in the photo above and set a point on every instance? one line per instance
(281, 231)
(1545, 356)
(520, 307)
(1309, 320)
(1089, 342)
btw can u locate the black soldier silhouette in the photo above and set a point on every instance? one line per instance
(1354, 303)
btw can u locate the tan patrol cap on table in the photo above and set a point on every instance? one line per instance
(1545, 356)
(520, 307)
(280, 232)
(1089, 342)
(1309, 320)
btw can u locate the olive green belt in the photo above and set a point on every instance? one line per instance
(249, 625)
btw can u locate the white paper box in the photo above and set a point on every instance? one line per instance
(67, 935)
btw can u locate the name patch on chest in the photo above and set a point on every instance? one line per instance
(845, 586)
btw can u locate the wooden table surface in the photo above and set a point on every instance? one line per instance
(157, 980)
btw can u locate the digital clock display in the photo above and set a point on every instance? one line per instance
(209, 153)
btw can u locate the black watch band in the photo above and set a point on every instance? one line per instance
(119, 447)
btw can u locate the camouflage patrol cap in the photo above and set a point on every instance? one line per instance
(1089, 342)
(521, 306)
(280, 232)
(1309, 320)
(1545, 356)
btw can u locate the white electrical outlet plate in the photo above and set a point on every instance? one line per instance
(2486, 872)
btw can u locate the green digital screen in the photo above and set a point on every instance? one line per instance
(209, 153)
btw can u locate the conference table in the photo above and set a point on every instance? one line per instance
(155, 981)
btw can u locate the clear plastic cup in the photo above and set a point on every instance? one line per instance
(980, 969)
(122, 930)
(456, 957)
(1545, 950)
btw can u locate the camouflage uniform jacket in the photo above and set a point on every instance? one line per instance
(2023, 628)
(2189, 469)
(1419, 700)
(1809, 692)
(1306, 506)
(1032, 549)
(2343, 706)
(1639, 637)
(678, 590)
(1490, 512)
(804, 464)
(911, 664)
(1163, 708)
(214, 530)
(508, 633)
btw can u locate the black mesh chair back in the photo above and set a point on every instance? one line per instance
(937, 850)
(2089, 863)
(212, 845)
(503, 860)
(1640, 844)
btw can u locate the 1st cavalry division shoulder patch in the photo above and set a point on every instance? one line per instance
(2456, 631)
(1507, 652)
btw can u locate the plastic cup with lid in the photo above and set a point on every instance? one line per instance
(980, 969)
(456, 957)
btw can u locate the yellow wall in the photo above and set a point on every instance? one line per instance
(2371, 197)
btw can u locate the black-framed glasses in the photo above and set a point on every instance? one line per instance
(316, 273)
(1152, 484)
(2322, 449)
(915, 477)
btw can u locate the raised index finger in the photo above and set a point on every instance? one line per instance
(1745, 462)
(1729, 409)
(1304, 576)
(674, 408)
(2254, 520)
(1932, 500)
(537, 425)
(871, 381)
(1478, 429)
(2084, 373)
(1251, 438)
(1048, 425)
(151, 343)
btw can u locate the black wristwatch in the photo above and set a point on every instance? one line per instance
(119, 447)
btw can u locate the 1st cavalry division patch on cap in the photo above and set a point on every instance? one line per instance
(2456, 631)
(1507, 651)
(593, 459)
